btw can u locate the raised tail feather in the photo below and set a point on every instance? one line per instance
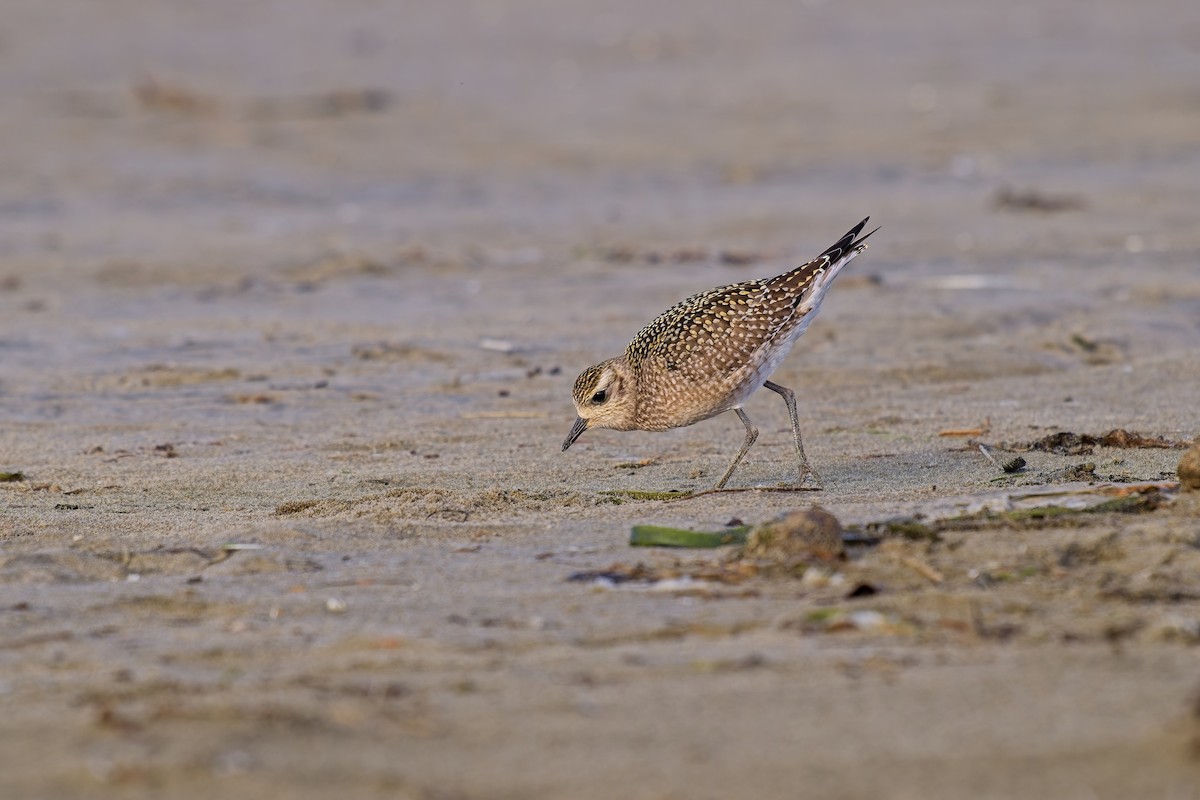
(847, 243)
(819, 273)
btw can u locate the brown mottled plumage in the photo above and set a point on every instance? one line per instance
(709, 353)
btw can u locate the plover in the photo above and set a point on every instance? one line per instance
(708, 354)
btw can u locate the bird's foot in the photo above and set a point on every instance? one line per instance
(809, 480)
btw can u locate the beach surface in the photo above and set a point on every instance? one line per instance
(292, 297)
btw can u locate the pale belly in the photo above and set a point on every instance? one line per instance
(760, 374)
(773, 356)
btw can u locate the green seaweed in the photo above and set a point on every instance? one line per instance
(1130, 504)
(620, 495)
(906, 528)
(660, 536)
(1040, 512)
(10, 477)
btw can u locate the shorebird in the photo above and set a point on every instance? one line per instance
(708, 354)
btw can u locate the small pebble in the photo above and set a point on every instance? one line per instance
(1013, 465)
(798, 536)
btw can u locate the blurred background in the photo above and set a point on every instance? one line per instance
(190, 133)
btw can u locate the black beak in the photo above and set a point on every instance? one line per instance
(578, 428)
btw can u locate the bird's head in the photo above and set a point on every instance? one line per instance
(604, 398)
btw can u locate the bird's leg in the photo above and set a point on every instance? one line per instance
(751, 435)
(789, 397)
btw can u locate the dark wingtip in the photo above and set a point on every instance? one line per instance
(849, 241)
(864, 237)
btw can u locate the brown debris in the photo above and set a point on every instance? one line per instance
(504, 414)
(1063, 443)
(1123, 438)
(616, 574)
(1009, 199)
(627, 254)
(397, 351)
(168, 376)
(645, 462)
(336, 265)
(155, 95)
(294, 507)
(922, 568)
(712, 572)
(251, 399)
(1076, 472)
(1067, 443)
(978, 430)
(318, 105)
(1085, 344)
(738, 258)
(867, 280)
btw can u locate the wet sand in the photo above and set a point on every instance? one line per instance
(291, 301)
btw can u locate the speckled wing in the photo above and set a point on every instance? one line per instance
(714, 334)
(711, 336)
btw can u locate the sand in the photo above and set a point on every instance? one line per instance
(291, 300)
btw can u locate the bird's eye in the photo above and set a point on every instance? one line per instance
(600, 396)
